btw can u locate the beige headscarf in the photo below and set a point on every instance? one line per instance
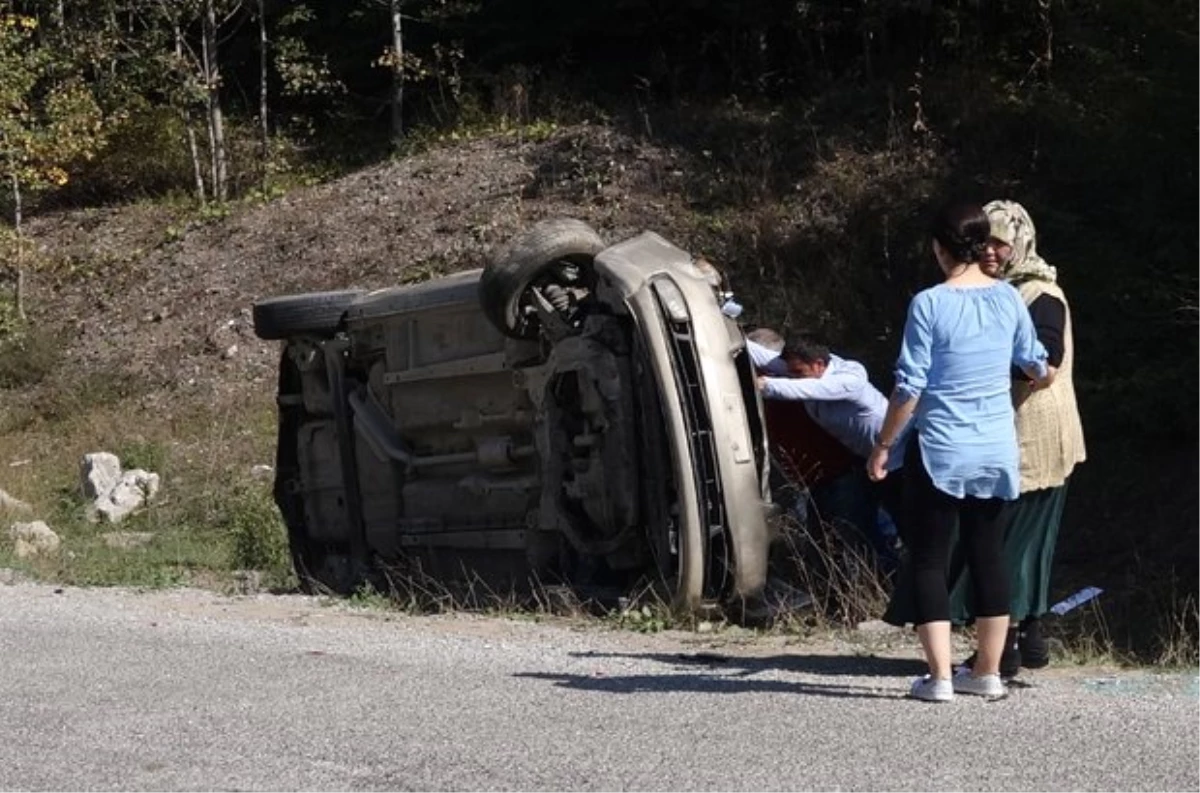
(1012, 224)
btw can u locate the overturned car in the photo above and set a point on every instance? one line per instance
(573, 411)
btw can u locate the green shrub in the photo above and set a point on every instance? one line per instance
(258, 534)
(27, 353)
(146, 155)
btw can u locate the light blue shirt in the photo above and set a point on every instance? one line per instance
(842, 400)
(956, 358)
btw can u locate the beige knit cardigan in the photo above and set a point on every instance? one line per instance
(1049, 432)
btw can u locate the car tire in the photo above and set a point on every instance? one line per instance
(312, 314)
(325, 571)
(320, 568)
(509, 273)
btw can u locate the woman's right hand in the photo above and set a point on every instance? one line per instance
(877, 463)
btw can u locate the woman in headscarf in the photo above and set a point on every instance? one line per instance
(1049, 434)
(1050, 438)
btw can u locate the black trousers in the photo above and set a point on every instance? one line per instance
(930, 519)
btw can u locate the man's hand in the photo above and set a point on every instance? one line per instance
(760, 382)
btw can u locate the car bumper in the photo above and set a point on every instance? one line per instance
(723, 531)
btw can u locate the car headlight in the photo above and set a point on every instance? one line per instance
(671, 299)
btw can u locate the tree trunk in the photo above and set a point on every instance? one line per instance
(212, 148)
(16, 190)
(212, 84)
(193, 149)
(265, 130)
(867, 40)
(1047, 57)
(114, 25)
(397, 73)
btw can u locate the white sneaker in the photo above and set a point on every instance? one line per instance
(932, 689)
(990, 686)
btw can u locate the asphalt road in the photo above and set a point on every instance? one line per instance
(105, 689)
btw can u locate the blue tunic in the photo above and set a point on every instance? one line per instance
(959, 346)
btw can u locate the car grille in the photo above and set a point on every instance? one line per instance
(717, 560)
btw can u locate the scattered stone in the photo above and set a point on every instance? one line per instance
(127, 540)
(10, 504)
(100, 472)
(135, 488)
(9, 576)
(262, 471)
(33, 539)
(114, 494)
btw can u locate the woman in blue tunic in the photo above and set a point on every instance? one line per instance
(952, 381)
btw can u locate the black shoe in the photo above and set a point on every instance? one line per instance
(1034, 652)
(1010, 659)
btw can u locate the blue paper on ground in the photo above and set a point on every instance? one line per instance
(1078, 599)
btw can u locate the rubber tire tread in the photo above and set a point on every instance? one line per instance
(314, 313)
(510, 271)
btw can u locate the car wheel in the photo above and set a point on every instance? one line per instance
(312, 314)
(320, 567)
(324, 571)
(539, 251)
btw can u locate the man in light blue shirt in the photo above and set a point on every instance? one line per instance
(840, 398)
(836, 392)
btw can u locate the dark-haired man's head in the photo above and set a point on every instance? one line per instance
(804, 356)
(962, 230)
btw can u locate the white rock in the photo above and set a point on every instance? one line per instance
(31, 539)
(10, 504)
(99, 472)
(9, 576)
(146, 480)
(135, 488)
(262, 471)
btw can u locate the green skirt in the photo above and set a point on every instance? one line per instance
(1029, 540)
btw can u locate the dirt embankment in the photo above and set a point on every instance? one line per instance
(163, 294)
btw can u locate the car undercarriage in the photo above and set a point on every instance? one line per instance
(573, 412)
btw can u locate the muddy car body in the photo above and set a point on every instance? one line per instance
(574, 411)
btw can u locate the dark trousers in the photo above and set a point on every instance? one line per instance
(852, 501)
(930, 519)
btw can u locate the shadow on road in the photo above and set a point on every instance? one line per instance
(832, 665)
(701, 683)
